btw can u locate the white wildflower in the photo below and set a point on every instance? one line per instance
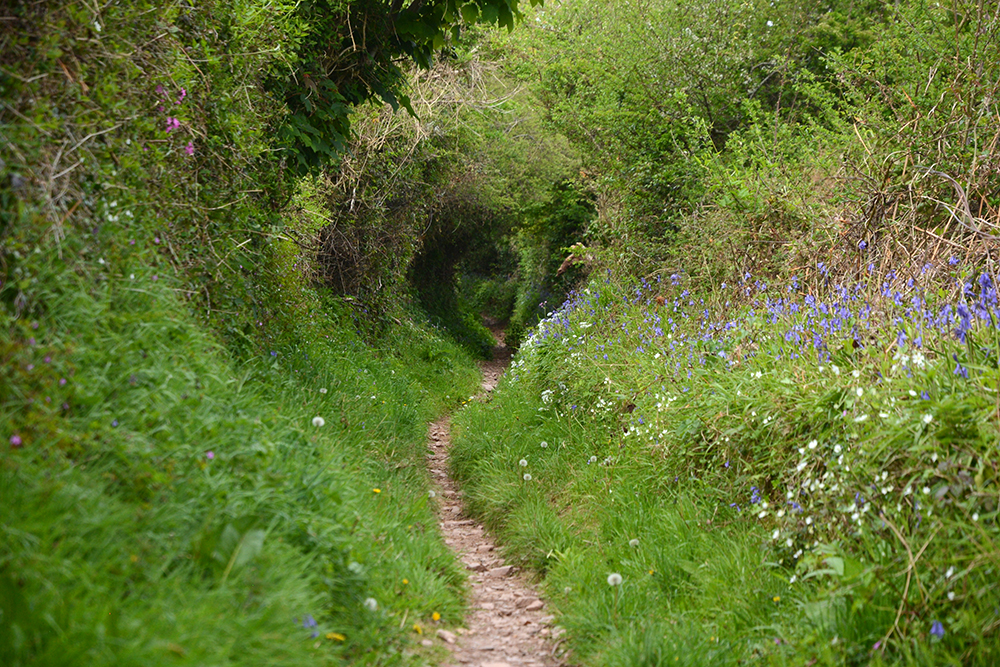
(318, 421)
(614, 579)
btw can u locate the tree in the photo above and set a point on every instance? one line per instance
(350, 51)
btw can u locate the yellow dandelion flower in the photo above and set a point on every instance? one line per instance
(777, 598)
(335, 636)
(406, 581)
(436, 616)
(376, 490)
(416, 628)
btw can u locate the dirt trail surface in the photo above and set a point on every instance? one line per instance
(508, 625)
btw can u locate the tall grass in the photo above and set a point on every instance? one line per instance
(793, 473)
(163, 503)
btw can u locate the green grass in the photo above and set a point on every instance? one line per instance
(731, 492)
(170, 504)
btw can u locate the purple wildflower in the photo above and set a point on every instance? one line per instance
(937, 629)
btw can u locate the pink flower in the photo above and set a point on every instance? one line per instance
(173, 124)
(189, 149)
(159, 90)
(15, 440)
(209, 455)
(183, 95)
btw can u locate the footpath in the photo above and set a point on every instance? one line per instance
(508, 625)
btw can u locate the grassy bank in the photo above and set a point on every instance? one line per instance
(207, 458)
(164, 503)
(797, 473)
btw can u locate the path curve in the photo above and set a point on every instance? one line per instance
(508, 625)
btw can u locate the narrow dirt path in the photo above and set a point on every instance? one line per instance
(508, 625)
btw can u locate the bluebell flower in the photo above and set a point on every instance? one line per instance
(959, 368)
(964, 322)
(937, 629)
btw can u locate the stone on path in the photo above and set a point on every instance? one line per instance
(502, 571)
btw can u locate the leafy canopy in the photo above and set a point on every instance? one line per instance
(350, 52)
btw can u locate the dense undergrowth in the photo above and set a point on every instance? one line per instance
(165, 503)
(231, 297)
(780, 445)
(208, 457)
(777, 473)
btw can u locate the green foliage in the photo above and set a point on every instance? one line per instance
(771, 128)
(166, 496)
(348, 52)
(758, 503)
(548, 229)
(647, 90)
(164, 504)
